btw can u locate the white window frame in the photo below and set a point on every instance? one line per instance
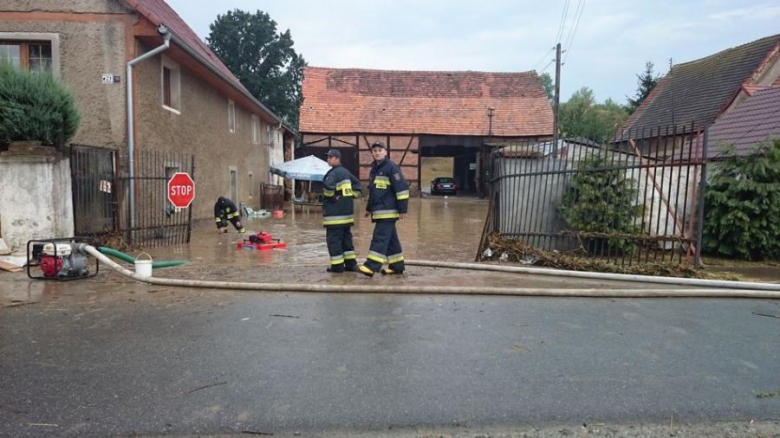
(269, 134)
(255, 129)
(231, 187)
(175, 85)
(232, 122)
(53, 38)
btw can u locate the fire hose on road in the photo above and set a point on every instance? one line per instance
(708, 288)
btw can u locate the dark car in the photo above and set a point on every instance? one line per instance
(443, 185)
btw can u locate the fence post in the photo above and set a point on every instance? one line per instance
(702, 188)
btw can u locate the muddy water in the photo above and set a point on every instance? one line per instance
(436, 229)
(442, 229)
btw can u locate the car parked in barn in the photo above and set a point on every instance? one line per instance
(444, 185)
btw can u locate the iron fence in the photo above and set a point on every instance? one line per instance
(271, 196)
(157, 222)
(636, 199)
(93, 186)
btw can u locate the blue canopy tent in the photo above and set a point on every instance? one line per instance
(308, 168)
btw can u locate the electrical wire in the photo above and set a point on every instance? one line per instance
(562, 25)
(578, 15)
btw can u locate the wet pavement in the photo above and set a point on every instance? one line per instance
(109, 356)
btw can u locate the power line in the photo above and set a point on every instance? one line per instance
(548, 66)
(543, 58)
(562, 25)
(578, 14)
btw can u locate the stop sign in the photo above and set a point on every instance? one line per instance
(181, 190)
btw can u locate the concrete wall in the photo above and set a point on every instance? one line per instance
(86, 51)
(35, 197)
(200, 127)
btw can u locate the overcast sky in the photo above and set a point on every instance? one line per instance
(611, 44)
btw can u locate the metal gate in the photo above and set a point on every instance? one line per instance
(101, 196)
(156, 221)
(636, 199)
(92, 171)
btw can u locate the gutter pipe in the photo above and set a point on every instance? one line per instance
(130, 104)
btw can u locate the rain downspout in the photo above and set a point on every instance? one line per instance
(130, 132)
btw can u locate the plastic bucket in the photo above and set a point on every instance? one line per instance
(278, 214)
(143, 267)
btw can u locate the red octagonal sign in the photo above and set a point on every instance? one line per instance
(181, 190)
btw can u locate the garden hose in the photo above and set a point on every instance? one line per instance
(130, 259)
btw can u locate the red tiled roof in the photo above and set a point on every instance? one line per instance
(158, 12)
(753, 121)
(424, 102)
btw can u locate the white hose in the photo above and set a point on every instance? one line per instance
(450, 290)
(603, 276)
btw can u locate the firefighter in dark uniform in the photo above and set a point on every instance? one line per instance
(225, 210)
(340, 190)
(388, 200)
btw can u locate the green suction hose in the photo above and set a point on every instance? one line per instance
(130, 259)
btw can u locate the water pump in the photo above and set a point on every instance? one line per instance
(59, 259)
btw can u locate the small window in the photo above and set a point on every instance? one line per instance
(251, 184)
(270, 134)
(35, 56)
(171, 86)
(233, 183)
(255, 130)
(231, 116)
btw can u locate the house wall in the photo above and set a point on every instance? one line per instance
(70, 6)
(36, 199)
(85, 50)
(201, 128)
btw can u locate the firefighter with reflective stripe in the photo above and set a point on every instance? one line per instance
(388, 200)
(341, 188)
(225, 210)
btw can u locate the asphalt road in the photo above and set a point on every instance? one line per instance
(161, 361)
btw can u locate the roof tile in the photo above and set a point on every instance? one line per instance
(424, 102)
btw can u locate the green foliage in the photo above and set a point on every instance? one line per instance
(35, 107)
(742, 205)
(262, 59)
(602, 202)
(581, 116)
(549, 86)
(645, 84)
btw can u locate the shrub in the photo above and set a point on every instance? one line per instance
(742, 205)
(35, 107)
(601, 202)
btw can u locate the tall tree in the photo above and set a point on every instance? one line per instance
(645, 84)
(263, 59)
(547, 83)
(582, 116)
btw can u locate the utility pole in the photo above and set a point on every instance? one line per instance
(557, 100)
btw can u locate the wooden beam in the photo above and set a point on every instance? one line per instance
(411, 139)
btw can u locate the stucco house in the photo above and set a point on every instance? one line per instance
(181, 100)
